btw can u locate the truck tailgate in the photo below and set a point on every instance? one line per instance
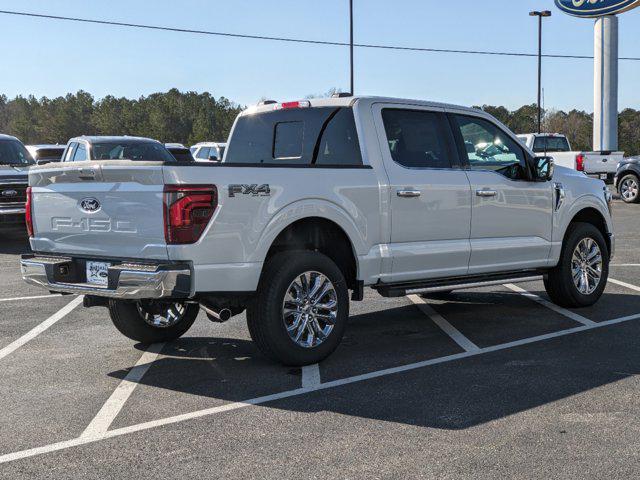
(606, 162)
(111, 209)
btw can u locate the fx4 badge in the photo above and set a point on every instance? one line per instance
(254, 190)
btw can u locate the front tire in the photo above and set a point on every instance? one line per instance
(152, 321)
(300, 313)
(580, 277)
(629, 188)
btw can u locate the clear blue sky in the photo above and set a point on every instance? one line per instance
(50, 58)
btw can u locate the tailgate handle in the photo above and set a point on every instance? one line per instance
(87, 173)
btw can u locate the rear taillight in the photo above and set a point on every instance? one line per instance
(28, 217)
(580, 163)
(187, 212)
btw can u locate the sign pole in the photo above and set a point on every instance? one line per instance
(351, 87)
(605, 112)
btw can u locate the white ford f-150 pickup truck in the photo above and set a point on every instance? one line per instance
(315, 198)
(600, 165)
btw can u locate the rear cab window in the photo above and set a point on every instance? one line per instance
(130, 150)
(551, 144)
(322, 136)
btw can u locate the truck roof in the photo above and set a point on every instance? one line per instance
(210, 144)
(114, 138)
(541, 135)
(349, 101)
(45, 145)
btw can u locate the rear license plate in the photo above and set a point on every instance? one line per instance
(603, 176)
(98, 273)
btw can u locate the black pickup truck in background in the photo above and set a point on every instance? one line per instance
(15, 161)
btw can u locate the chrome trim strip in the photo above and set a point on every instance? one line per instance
(464, 286)
(134, 283)
(12, 211)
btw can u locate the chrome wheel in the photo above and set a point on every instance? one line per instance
(310, 309)
(161, 315)
(629, 188)
(586, 266)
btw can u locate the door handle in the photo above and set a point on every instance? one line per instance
(408, 193)
(486, 193)
(87, 173)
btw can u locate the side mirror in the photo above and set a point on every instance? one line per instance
(543, 169)
(42, 162)
(213, 158)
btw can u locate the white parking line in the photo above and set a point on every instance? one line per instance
(625, 285)
(551, 306)
(34, 332)
(15, 299)
(445, 326)
(109, 411)
(311, 376)
(10, 457)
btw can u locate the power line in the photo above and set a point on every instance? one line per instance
(297, 40)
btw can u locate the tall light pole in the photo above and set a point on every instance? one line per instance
(351, 44)
(540, 15)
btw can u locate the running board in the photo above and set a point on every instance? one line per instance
(445, 285)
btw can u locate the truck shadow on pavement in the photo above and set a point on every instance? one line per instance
(454, 395)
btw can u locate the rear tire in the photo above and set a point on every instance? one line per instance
(287, 321)
(571, 283)
(151, 321)
(629, 188)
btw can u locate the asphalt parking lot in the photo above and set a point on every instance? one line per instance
(487, 383)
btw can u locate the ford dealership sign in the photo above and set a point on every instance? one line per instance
(596, 8)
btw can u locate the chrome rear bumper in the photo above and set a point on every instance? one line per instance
(127, 281)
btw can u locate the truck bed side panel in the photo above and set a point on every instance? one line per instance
(247, 220)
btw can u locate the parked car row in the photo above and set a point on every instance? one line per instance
(318, 198)
(16, 159)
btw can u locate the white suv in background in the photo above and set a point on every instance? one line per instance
(208, 151)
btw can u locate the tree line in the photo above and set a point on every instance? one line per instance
(174, 116)
(577, 125)
(190, 117)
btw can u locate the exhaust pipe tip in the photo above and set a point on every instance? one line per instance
(218, 316)
(224, 314)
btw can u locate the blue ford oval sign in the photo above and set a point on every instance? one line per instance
(596, 8)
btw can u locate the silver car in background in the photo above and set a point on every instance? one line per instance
(46, 153)
(208, 151)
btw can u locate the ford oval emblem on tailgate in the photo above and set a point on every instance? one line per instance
(90, 205)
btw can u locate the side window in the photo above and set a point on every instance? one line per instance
(417, 138)
(287, 140)
(81, 153)
(213, 153)
(203, 153)
(339, 143)
(489, 148)
(71, 149)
